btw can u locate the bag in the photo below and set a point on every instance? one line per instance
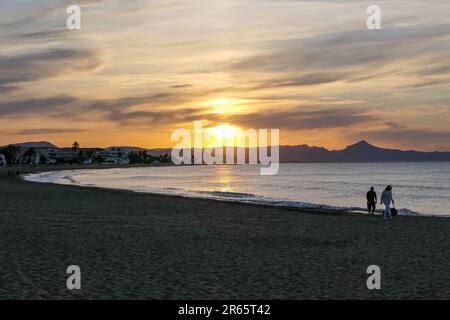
(394, 212)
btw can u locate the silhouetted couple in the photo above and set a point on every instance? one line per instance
(386, 199)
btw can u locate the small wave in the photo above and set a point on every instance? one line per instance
(41, 177)
(254, 199)
(71, 179)
(90, 185)
(407, 212)
(226, 194)
(307, 205)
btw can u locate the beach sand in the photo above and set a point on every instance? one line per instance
(139, 246)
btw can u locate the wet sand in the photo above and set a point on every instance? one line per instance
(139, 246)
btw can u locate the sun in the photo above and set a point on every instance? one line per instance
(224, 131)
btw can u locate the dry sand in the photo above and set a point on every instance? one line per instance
(138, 246)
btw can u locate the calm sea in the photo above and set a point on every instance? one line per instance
(419, 188)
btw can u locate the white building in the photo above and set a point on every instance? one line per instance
(52, 154)
(2, 160)
(116, 156)
(36, 160)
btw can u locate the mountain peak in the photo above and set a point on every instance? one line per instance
(361, 145)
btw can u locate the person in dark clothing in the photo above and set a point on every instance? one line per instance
(371, 201)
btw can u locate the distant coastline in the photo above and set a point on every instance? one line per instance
(47, 153)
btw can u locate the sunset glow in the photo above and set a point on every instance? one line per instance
(321, 81)
(225, 106)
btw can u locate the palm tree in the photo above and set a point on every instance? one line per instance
(11, 153)
(30, 156)
(76, 151)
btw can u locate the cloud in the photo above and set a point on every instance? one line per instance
(353, 55)
(30, 107)
(120, 111)
(393, 125)
(6, 88)
(18, 69)
(16, 13)
(305, 119)
(48, 131)
(161, 117)
(122, 104)
(151, 110)
(428, 83)
(181, 86)
(301, 81)
(42, 36)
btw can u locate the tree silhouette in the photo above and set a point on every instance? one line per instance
(30, 156)
(76, 152)
(10, 153)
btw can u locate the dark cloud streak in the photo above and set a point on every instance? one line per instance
(305, 119)
(48, 131)
(15, 70)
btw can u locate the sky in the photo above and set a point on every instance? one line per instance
(139, 69)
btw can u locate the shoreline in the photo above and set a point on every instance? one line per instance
(138, 246)
(290, 208)
(320, 209)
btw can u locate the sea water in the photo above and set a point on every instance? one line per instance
(418, 188)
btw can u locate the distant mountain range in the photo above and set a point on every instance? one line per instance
(359, 152)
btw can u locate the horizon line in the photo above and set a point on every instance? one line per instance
(363, 141)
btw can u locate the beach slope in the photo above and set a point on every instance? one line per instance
(139, 246)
